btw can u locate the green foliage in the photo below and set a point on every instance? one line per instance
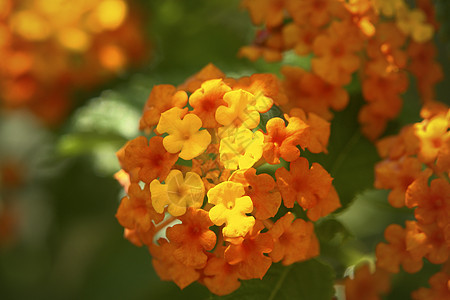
(311, 279)
(351, 157)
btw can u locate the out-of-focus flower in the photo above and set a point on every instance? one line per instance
(52, 48)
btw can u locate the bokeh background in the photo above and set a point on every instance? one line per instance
(59, 238)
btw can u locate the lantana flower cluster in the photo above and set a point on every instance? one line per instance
(382, 41)
(49, 48)
(415, 168)
(199, 195)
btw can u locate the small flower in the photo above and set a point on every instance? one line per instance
(294, 241)
(367, 284)
(162, 98)
(185, 135)
(146, 160)
(136, 210)
(302, 184)
(281, 140)
(240, 110)
(412, 22)
(390, 256)
(241, 150)
(178, 193)
(319, 130)
(192, 238)
(207, 99)
(439, 288)
(262, 190)
(336, 53)
(231, 207)
(248, 254)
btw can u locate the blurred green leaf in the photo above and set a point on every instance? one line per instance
(311, 279)
(328, 229)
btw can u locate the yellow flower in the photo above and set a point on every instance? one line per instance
(243, 149)
(178, 193)
(184, 134)
(241, 110)
(389, 7)
(231, 208)
(413, 23)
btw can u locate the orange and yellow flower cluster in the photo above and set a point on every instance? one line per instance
(50, 48)
(416, 170)
(380, 40)
(197, 193)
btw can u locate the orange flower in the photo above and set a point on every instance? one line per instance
(423, 65)
(268, 44)
(319, 130)
(248, 254)
(311, 93)
(168, 267)
(386, 90)
(262, 190)
(306, 186)
(314, 12)
(397, 176)
(123, 178)
(139, 237)
(390, 256)
(282, 140)
(194, 82)
(221, 277)
(145, 160)
(430, 240)
(367, 285)
(405, 143)
(192, 238)
(267, 12)
(325, 206)
(207, 99)
(136, 211)
(336, 53)
(433, 202)
(265, 87)
(162, 98)
(439, 288)
(386, 50)
(299, 38)
(294, 241)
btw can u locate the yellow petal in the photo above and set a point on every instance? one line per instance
(159, 196)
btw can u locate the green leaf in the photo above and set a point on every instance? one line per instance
(330, 228)
(351, 157)
(311, 279)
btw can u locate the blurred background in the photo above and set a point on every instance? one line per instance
(74, 78)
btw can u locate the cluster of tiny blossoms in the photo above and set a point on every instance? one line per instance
(196, 195)
(380, 40)
(48, 48)
(415, 169)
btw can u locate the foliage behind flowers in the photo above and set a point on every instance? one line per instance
(51, 48)
(196, 196)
